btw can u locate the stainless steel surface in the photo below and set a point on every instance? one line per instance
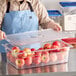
(7, 69)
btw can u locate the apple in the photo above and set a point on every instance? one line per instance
(8, 54)
(38, 53)
(37, 60)
(15, 51)
(64, 49)
(41, 48)
(22, 54)
(28, 61)
(12, 58)
(56, 43)
(60, 56)
(47, 46)
(54, 47)
(27, 50)
(53, 57)
(33, 49)
(56, 50)
(20, 62)
(45, 53)
(45, 58)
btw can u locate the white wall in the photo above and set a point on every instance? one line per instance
(53, 4)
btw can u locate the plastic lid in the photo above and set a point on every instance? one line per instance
(68, 4)
(54, 13)
(36, 37)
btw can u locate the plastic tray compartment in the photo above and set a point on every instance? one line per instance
(48, 53)
(67, 7)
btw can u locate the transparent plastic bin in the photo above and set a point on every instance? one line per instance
(38, 57)
(36, 48)
(55, 15)
(67, 7)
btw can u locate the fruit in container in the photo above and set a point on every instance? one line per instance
(22, 54)
(15, 51)
(41, 48)
(53, 57)
(45, 57)
(47, 46)
(33, 49)
(8, 54)
(36, 59)
(38, 53)
(27, 50)
(60, 56)
(20, 62)
(12, 58)
(28, 60)
(55, 44)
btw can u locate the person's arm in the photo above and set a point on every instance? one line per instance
(44, 19)
(3, 6)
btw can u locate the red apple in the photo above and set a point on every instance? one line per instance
(64, 49)
(12, 58)
(56, 43)
(41, 48)
(28, 61)
(38, 53)
(54, 47)
(45, 53)
(36, 59)
(15, 50)
(27, 50)
(47, 46)
(56, 50)
(8, 54)
(60, 56)
(20, 62)
(22, 54)
(53, 57)
(45, 58)
(33, 49)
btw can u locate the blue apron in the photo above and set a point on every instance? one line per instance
(19, 21)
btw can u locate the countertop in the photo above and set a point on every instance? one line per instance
(7, 69)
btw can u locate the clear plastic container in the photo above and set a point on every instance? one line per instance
(31, 57)
(37, 48)
(55, 15)
(67, 7)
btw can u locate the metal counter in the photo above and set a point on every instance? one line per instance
(7, 69)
